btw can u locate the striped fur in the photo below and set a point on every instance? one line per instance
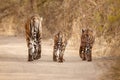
(60, 43)
(87, 41)
(33, 32)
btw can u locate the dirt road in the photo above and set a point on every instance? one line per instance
(14, 64)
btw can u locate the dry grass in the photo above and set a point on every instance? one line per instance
(101, 15)
(113, 72)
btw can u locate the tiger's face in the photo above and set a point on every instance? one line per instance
(86, 34)
(35, 21)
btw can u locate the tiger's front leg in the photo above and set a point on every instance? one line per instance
(31, 51)
(61, 56)
(89, 55)
(82, 53)
(30, 56)
(55, 53)
(38, 50)
(61, 53)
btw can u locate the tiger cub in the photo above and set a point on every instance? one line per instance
(60, 43)
(87, 41)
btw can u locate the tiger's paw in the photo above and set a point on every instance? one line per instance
(38, 57)
(61, 60)
(30, 60)
(89, 60)
(54, 59)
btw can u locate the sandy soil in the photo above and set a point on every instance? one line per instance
(14, 64)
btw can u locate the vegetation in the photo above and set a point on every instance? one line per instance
(103, 15)
(70, 16)
(114, 72)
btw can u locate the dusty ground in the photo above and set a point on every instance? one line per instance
(14, 64)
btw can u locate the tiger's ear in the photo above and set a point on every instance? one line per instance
(41, 18)
(83, 30)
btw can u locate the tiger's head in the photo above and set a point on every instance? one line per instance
(87, 33)
(35, 20)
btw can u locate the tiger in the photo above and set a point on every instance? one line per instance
(33, 33)
(60, 43)
(87, 41)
